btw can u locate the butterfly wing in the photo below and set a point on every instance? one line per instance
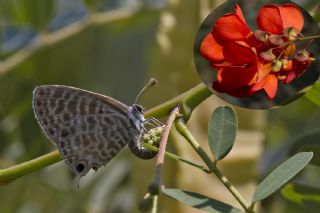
(88, 129)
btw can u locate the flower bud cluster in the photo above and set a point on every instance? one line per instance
(152, 137)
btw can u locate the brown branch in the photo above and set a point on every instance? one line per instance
(163, 143)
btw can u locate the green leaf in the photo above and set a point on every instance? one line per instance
(281, 175)
(199, 201)
(222, 131)
(314, 93)
(305, 196)
(308, 142)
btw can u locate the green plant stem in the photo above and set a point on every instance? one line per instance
(154, 204)
(251, 208)
(308, 38)
(189, 99)
(14, 172)
(178, 158)
(232, 189)
(184, 131)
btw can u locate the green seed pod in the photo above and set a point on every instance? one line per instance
(276, 66)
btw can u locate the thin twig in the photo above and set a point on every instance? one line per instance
(178, 158)
(163, 143)
(154, 204)
(183, 130)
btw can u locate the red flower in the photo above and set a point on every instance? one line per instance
(248, 62)
(275, 19)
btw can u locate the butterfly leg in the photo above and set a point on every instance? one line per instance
(153, 122)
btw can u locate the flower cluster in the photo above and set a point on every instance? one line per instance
(250, 61)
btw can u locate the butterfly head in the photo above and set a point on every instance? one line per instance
(138, 108)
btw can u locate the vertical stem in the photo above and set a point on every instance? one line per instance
(184, 131)
(163, 144)
(232, 190)
(154, 204)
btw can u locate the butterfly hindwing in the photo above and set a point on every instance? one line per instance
(87, 128)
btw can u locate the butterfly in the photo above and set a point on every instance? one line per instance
(89, 129)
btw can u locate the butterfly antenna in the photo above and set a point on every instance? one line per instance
(151, 83)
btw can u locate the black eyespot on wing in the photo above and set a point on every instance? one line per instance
(80, 167)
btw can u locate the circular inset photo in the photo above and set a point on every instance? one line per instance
(258, 54)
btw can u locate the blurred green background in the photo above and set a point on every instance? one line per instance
(113, 47)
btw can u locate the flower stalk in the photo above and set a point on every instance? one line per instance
(178, 158)
(163, 143)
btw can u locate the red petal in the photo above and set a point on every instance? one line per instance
(257, 86)
(275, 19)
(231, 26)
(271, 86)
(263, 70)
(269, 19)
(243, 92)
(211, 50)
(238, 12)
(299, 67)
(291, 75)
(238, 54)
(292, 17)
(233, 78)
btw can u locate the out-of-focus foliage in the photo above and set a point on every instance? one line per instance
(113, 59)
(314, 94)
(92, 4)
(306, 197)
(33, 13)
(308, 141)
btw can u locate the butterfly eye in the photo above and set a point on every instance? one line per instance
(139, 108)
(80, 167)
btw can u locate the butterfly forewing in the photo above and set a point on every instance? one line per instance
(87, 128)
